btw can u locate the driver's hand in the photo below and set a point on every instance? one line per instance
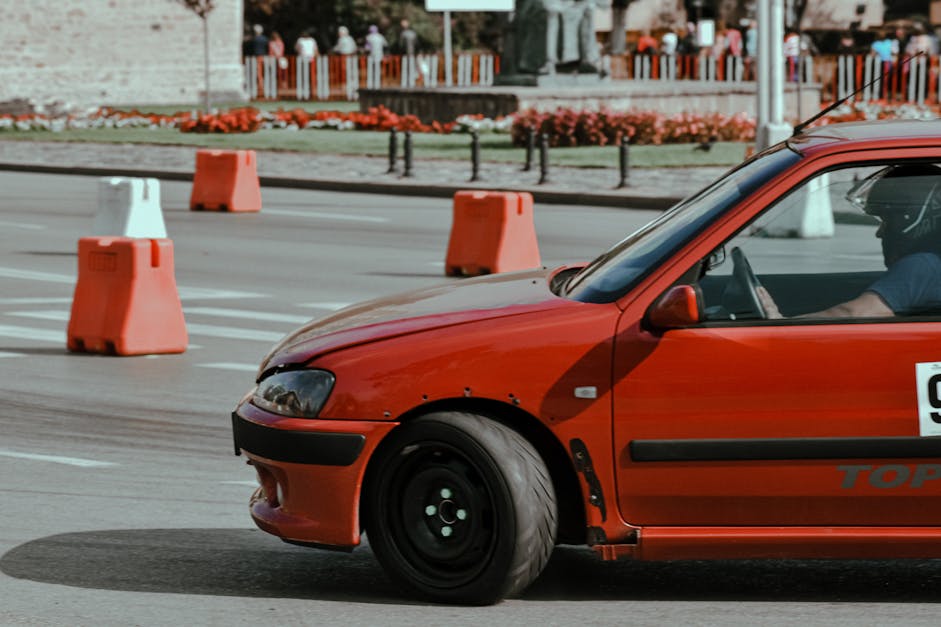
(771, 307)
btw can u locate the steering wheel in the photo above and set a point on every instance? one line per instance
(742, 272)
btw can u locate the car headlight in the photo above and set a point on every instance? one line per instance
(297, 393)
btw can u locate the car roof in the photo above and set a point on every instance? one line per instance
(867, 135)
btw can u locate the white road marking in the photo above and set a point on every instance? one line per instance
(48, 314)
(184, 291)
(29, 275)
(32, 333)
(193, 293)
(7, 354)
(22, 225)
(328, 216)
(210, 330)
(35, 301)
(56, 459)
(330, 306)
(224, 365)
(253, 484)
(245, 314)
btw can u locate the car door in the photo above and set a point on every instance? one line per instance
(811, 421)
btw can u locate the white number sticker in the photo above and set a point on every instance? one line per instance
(928, 380)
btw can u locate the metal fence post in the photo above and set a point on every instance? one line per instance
(393, 149)
(530, 147)
(623, 163)
(475, 156)
(408, 154)
(543, 158)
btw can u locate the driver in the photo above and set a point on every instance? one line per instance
(907, 201)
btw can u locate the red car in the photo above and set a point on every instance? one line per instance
(755, 374)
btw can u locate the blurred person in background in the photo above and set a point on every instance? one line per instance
(751, 39)
(345, 43)
(276, 45)
(899, 42)
(719, 43)
(646, 44)
(276, 50)
(688, 43)
(847, 44)
(919, 41)
(792, 50)
(751, 49)
(376, 43)
(733, 42)
(259, 41)
(882, 47)
(669, 42)
(306, 46)
(408, 39)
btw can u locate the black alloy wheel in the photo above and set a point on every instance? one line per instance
(460, 509)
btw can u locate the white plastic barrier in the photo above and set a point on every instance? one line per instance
(129, 207)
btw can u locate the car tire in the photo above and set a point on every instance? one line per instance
(460, 509)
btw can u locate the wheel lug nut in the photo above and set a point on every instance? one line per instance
(431, 510)
(461, 514)
(445, 493)
(446, 531)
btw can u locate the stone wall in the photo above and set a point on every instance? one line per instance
(117, 52)
(445, 104)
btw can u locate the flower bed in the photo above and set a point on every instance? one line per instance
(564, 127)
(240, 120)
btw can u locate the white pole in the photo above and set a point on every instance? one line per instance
(771, 126)
(447, 49)
(776, 58)
(762, 69)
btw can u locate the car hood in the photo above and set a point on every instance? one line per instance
(457, 302)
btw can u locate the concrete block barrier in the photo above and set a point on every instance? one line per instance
(126, 301)
(491, 232)
(129, 207)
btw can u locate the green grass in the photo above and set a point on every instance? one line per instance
(494, 147)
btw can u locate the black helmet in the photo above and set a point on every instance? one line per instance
(907, 199)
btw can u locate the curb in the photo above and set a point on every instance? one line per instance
(617, 201)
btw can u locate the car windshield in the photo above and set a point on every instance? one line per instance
(612, 274)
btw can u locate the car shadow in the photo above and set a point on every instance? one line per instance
(248, 563)
(219, 562)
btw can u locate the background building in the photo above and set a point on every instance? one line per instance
(840, 14)
(835, 15)
(117, 52)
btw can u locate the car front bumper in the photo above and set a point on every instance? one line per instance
(310, 473)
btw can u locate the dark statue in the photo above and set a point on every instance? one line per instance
(549, 36)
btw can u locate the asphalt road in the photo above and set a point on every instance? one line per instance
(122, 503)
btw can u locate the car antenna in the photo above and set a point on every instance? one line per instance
(800, 127)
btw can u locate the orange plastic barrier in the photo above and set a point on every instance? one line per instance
(126, 302)
(226, 180)
(491, 232)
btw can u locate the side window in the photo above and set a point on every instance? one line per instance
(863, 241)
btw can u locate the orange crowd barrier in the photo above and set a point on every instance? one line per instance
(126, 302)
(226, 180)
(491, 232)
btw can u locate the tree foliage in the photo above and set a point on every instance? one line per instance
(470, 31)
(202, 8)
